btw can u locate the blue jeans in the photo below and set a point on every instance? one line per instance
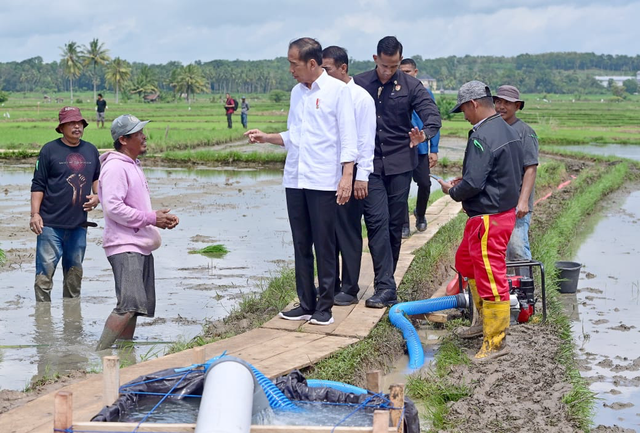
(52, 244)
(243, 119)
(518, 247)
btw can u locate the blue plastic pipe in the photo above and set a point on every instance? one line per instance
(398, 313)
(339, 386)
(277, 400)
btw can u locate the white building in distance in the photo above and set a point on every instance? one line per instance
(604, 80)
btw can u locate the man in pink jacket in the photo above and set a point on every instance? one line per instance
(130, 229)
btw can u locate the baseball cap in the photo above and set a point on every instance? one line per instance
(471, 90)
(125, 125)
(69, 114)
(509, 93)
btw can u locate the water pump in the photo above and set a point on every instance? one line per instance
(523, 300)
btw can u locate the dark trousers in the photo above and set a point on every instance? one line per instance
(349, 245)
(384, 211)
(229, 121)
(421, 177)
(312, 216)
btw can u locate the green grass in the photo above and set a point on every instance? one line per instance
(216, 251)
(549, 243)
(550, 247)
(173, 126)
(180, 126)
(3, 257)
(385, 341)
(224, 156)
(433, 388)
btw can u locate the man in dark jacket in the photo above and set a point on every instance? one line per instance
(488, 189)
(397, 95)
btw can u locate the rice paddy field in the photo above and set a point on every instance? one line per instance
(27, 122)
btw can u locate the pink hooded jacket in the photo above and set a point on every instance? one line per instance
(129, 220)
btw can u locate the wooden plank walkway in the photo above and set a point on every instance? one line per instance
(276, 348)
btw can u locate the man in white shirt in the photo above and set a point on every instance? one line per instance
(321, 144)
(349, 226)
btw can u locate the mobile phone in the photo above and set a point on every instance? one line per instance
(435, 176)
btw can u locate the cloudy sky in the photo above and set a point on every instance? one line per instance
(187, 30)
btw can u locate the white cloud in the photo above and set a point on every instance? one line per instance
(164, 30)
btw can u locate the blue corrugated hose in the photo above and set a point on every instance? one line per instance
(340, 386)
(400, 321)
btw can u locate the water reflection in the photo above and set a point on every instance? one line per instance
(608, 297)
(242, 209)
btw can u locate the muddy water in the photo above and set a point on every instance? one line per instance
(620, 150)
(244, 210)
(607, 320)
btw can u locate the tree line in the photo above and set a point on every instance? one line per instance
(85, 67)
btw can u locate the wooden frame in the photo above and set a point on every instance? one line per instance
(63, 411)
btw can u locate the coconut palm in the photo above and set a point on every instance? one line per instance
(118, 73)
(190, 80)
(145, 82)
(95, 55)
(71, 63)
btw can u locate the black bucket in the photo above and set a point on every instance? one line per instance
(569, 273)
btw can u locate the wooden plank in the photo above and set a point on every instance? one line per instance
(63, 410)
(111, 379)
(360, 322)
(239, 342)
(396, 395)
(304, 356)
(374, 382)
(286, 342)
(356, 324)
(189, 428)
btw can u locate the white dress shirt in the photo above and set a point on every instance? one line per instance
(365, 112)
(321, 135)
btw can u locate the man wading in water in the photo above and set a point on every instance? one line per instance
(130, 233)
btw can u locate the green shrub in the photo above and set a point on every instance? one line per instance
(278, 96)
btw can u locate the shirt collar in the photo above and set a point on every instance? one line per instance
(321, 80)
(477, 125)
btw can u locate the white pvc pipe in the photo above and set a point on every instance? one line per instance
(227, 399)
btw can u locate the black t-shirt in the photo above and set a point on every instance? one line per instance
(65, 174)
(102, 104)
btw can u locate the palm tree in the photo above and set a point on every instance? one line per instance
(145, 82)
(190, 80)
(95, 55)
(71, 63)
(118, 72)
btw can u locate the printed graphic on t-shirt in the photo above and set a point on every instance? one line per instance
(76, 164)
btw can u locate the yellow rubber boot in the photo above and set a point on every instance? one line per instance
(496, 322)
(475, 330)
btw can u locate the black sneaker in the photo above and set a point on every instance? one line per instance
(343, 299)
(382, 299)
(297, 313)
(406, 232)
(421, 222)
(321, 318)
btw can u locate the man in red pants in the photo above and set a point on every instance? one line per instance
(489, 190)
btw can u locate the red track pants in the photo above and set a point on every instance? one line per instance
(481, 254)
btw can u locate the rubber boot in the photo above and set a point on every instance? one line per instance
(128, 332)
(495, 324)
(475, 330)
(113, 329)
